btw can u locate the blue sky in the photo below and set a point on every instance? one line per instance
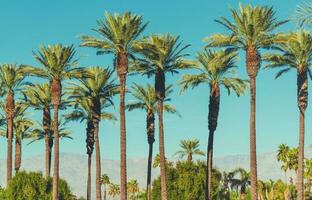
(27, 24)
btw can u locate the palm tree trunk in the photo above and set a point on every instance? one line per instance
(252, 65)
(56, 154)
(89, 178)
(46, 123)
(9, 112)
(160, 95)
(302, 95)
(18, 154)
(122, 70)
(214, 104)
(97, 162)
(150, 126)
(56, 90)
(105, 193)
(190, 158)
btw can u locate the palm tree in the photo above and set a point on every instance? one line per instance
(133, 189)
(118, 32)
(38, 96)
(282, 156)
(303, 14)
(11, 77)
(251, 30)
(241, 179)
(296, 53)
(308, 173)
(105, 181)
(92, 96)
(113, 190)
(161, 54)
(189, 148)
(216, 69)
(146, 100)
(57, 65)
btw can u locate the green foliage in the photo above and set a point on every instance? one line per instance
(186, 180)
(32, 185)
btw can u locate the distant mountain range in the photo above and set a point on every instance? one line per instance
(73, 168)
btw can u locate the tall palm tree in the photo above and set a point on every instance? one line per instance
(57, 64)
(216, 69)
(93, 95)
(105, 181)
(250, 31)
(161, 54)
(189, 148)
(38, 96)
(118, 32)
(241, 179)
(133, 189)
(113, 190)
(146, 100)
(11, 77)
(296, 53)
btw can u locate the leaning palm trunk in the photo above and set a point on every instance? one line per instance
(122, 70)
(302, 95)
(252, 64)
(56, 90)
(90, 146)
(150, 126)
(46, 122)
(9, 111)
(160, 95)
(214, 102)
(18, 154)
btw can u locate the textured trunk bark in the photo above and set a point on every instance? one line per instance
(214, 104)
(18, 154)
(97, 162)
(105, 193)
(150, 126)
(56, 90)
(160, 90)
(89, 178)
(252, 66)
(9, 112)
(302, 94)
(122, 70)
(189, 158)
(46, 123)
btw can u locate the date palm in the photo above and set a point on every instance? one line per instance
(189, 148)
(113, 190)
(161, 54)
(93, 95)
(11, 77)
(133, 189)
(282, 156)
(117, 34)
(251, 30)
(105, 181)
(241, 179)
(57, 64)
(296, 53)
(216, 68)
(145, 99)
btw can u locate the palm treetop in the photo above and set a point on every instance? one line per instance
(296, 53)
(160, 52)
(303, 14)
(215, 67)
(146, 99)
(117, 33)
(189, 147)
(11, 76)
(252, 26)
(37, 95)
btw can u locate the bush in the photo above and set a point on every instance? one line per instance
(32, 185)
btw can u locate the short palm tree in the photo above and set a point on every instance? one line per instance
(133, 189)
(57, 64)
(105, 181)
(92, 96)
(216, 68)
(161, 54)
(282, 156)
(296, 53)
(241, 179)
(118, 32)
(189, 148)
(145, 99)
(113, 190)
(250, 31)
(11, 77)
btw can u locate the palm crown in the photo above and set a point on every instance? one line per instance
(216, 68)
(189, 148)
(11, 77)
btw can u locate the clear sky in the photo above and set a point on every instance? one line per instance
(27, 24)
